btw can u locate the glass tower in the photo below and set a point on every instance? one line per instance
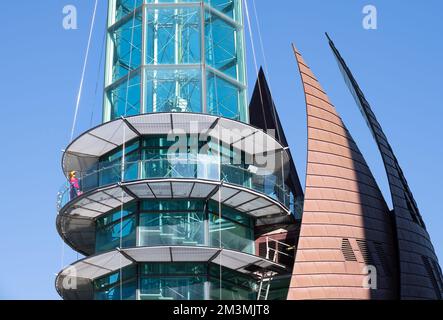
(175, 56)
(169, 196)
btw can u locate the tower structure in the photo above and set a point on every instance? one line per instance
(186, 192)
(176, 196)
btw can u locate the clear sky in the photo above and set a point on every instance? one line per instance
(398, 66)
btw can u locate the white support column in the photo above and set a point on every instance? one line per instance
(155, 62)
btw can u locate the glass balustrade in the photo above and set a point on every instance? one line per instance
(204, 169)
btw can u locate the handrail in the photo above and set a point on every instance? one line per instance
(177, 168)
(276, 249)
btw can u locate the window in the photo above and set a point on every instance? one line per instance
(221, 45)
(173, 90)
(173, 36)
(125, 7)
(230, 285)
(177, 281)
(110, 164)
(126, 40)
(124, 99)
(171, 228)
(233, 230)
(117, 229)
(117, 286)
(224, 98)
(228, 7)
(187, 281)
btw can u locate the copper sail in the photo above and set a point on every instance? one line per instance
(346, 225)
(420, 273)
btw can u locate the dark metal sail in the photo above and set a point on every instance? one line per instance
(420, 275)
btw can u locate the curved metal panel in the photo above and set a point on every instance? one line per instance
(420, 274)
(346, 224)
(94, 143)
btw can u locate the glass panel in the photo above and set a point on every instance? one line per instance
(231, 285)
(173, 205)
(125, 98)
(116, 215)
(231, 214)
(221, 45)
(172, 281)
(177, 90)
(231, 234)
(208, 167)
(108, 237)
(110, 173)
(227, 7)
(187, 228)
(110, 164)
(224, 98)
(157, 142)
(236, 174)
(172, 1)
(173, 36)
(172, 288)
(114, 287)
(127, 41)
(279, 288)
(187, 268)
(125, 7)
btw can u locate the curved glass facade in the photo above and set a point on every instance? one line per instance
(170, 56)
(175, 281)
(175, 222)
(154, 157)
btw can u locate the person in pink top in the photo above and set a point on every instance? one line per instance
(74, 185)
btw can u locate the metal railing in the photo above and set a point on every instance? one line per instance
(273, 254)
(204, 169)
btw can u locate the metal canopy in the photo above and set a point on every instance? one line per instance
(84, 152)
(76, 220)
(85, 271)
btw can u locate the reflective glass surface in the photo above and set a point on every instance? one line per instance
(126, 40)
(117, 229)
(117, 286)
(175, 223)
(176, 281)
(125, 97)
(165, 56)
(173, 90)
(173, 36)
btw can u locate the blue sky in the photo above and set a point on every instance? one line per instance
(398, 66)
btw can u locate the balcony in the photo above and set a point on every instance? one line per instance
(180, 168)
